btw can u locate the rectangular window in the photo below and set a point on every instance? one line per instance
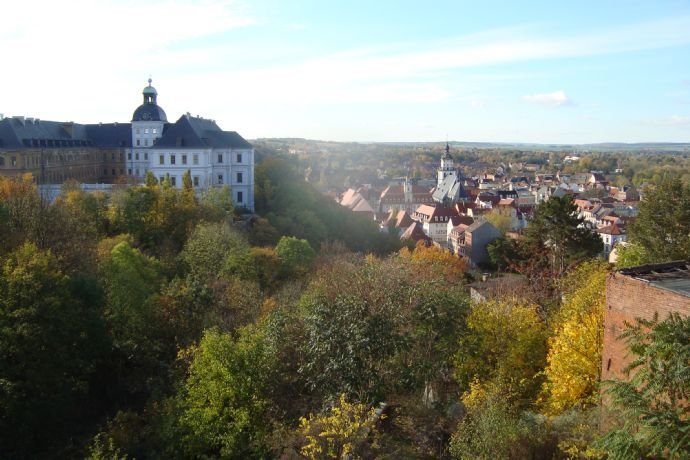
(161, 159)
(129, 156)
(138, 143)
(239, 177)
(146, 142)
(137, 171)
(114, 172)
(138, 131)
(172, 159)
(239, 158)
(129, 172)
(154, 130)
(136, 156)
(184, 159)
(173, 181)
(195, 180)
(239, 197)
(195, 159)
(220, 158)
(146, 131)
(146, 156)
(220, 179)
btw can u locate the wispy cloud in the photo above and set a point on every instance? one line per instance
(555, 99)
(678, 120)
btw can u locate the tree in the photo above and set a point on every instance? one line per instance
(505, 343)
(51, 341)
(131, 279)
(574, 359)
(662, 226)
(339, 433)
(500, 220)
(214, 249)
(652, 407)
(494, 428)
(150, 179)
(222, 402)
(557, 229)
(295, 255)
(216, 204)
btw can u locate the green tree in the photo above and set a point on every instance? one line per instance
(295, 255)
(652, 407)
(494, 428)
(505, 343)
(222, 402)
(557, 230)
(51, 341)
(131, 279)
(216, 248)
(150, 179)
(662, 226)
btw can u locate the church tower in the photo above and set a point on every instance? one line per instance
(447, 167)
(148, 122)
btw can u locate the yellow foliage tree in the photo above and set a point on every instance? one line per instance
(434, 258)
(337, 433)
(574, 359)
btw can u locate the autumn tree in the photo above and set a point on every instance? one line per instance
(574, 358)
(338, 433)
(505, 343)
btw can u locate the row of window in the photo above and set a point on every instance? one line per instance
(183, 158)
(136, 156)
(146, 130)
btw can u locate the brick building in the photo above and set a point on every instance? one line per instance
(640, 292)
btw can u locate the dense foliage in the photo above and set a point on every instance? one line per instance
(154, 323)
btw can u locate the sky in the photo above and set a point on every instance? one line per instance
(376, 70)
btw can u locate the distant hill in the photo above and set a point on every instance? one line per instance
(680, 147)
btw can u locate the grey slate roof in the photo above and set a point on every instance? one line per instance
(451, 189)
(149, 112)
(110, 134)
(18, 132)
(199, 132)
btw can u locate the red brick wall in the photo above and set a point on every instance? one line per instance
(626, 299)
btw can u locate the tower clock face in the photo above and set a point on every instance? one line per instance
(145, 116)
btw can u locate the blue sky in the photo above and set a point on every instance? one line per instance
(550, 72)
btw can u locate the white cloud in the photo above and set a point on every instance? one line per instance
(555, 99)
(678, 120)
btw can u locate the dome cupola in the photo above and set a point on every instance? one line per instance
(149, 110)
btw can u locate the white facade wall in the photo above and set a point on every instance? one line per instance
(144, 136)
(208, 168)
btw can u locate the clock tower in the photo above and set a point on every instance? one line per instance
(148, 122)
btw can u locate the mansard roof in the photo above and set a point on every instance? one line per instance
(197, 132)
(20, 132)
(110, 134)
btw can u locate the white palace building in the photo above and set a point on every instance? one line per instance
(213, 157)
